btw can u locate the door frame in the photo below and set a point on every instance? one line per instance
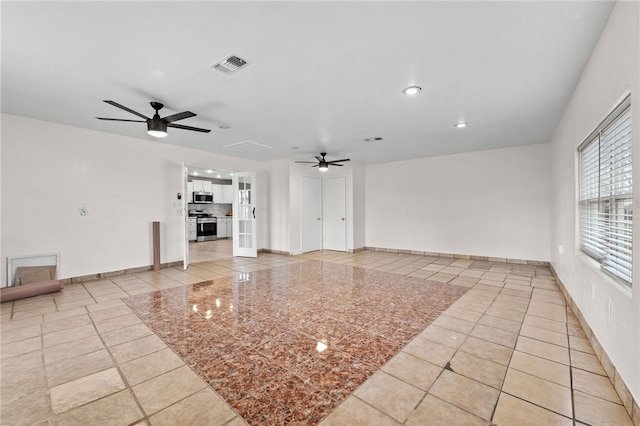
(185, 217)
(185, 206)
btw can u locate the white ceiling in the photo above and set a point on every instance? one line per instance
(323, 76)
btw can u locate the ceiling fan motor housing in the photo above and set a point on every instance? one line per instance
(157, 127)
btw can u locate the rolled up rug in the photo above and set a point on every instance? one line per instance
(28, 290)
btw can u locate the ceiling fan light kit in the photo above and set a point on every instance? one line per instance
(157, 128)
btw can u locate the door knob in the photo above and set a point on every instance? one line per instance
(318, 218)
(343, 218)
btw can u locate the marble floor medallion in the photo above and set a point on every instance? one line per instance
(288, 344)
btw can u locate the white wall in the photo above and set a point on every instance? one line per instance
(277, 232)
(357, 199)
(611, 73)
(490, 203)
(50, 170)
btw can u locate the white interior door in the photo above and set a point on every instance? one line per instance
(335, 213)
(244, 214)
(311, 206)
(185, 215)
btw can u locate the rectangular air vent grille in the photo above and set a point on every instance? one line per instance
(229, 64)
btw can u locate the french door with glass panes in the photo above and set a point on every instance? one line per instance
(244, 214)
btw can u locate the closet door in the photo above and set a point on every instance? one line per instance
(311, 206)
(335, 213)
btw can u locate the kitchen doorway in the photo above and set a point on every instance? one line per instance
(211, 181)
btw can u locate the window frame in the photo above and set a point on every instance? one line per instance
(605, 194)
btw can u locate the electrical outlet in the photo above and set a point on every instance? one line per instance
(560, 249)
(83, 211)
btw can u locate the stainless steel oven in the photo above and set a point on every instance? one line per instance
(207, 229)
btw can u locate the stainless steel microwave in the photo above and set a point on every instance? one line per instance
(203, 197)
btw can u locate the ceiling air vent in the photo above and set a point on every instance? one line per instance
(247, 147)
(229, 64)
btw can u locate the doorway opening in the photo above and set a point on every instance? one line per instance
(208, 218)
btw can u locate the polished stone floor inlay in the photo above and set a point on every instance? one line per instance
(289, 344)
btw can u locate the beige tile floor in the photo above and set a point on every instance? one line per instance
(206, 251)
(509, 352)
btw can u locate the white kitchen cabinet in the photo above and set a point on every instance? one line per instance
(225, 227)
(227, 194)
(190, 192)
(222, 194)
(192, 229)
(202, 185)
(217, 193)
(222, 228)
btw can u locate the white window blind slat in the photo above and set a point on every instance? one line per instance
(606, 194)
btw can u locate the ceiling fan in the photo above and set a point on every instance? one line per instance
(323, 165)
(157, 126)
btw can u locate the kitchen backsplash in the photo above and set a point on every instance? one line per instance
(215, 209)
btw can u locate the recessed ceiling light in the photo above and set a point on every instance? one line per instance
(224, 127)
(461, 125)
(209, 171)
(412, 90)
(376, 139)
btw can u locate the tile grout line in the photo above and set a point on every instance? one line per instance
(573, 402)
(44, 372)
(512, 352)
(570, 388)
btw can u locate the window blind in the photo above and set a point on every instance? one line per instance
(606, 197)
